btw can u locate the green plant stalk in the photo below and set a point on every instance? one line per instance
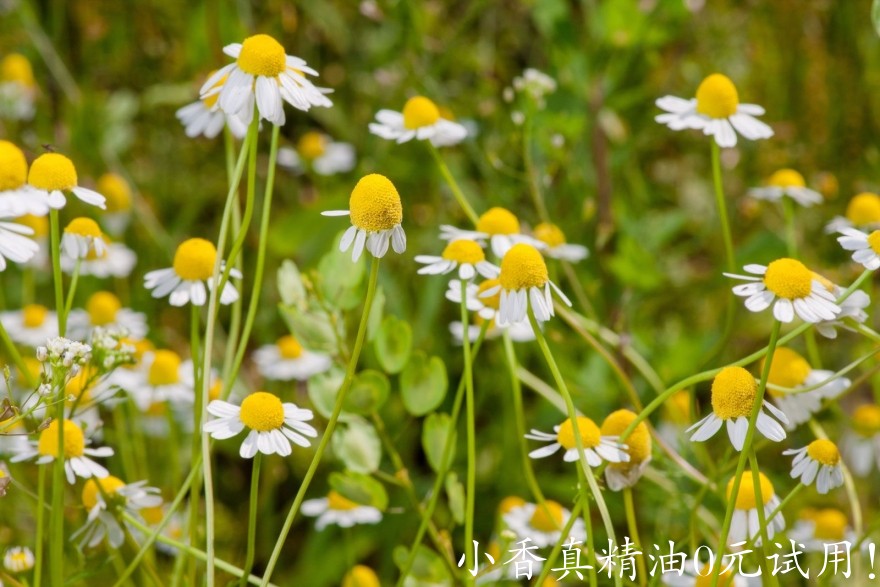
(74, 278)
(56, 535)
(194, 494)
(55, 245)
(471, 426)
(331, 424)
(453, 185)
(232, 336)
(790, 233)
(722, 207)
(39, 547)
(252, 518)
(762, 519)
(545, 569)
(630, 510)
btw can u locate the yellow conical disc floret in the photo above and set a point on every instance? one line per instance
(493, 301)
(194, 259)
(262, 411)
(717, 97)
(824, 452)
(788, 369)
(549, 234)
(33, 315)
(102, 307)
(74, 441)
(165, 369)
(523, 267)
(510, 503)
(13, 167)
(289, 347)
(311, 145)
(39, 224)
(16, 68)
(498, 221)
(375, 204)
(464, 251)
(866, 420)
(787, 178)
(336, 501)
(360, 576)
(83, 226)
(91, 492)
(830, 525)
(733, 393)
(52, 171)
(420, 111)
(547, 518)
(746, 499)
(864, 209)
(262, 55)
(789, 279)
(590, 435)
(706, 578)
(638, 442)
(117, 192)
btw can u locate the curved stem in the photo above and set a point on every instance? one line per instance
(630, 510)
(74, 278)
(252, 519)
(453, 185)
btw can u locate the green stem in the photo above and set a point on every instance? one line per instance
(74, 278)
(252, 518)
(16, 358)
(195, 491)
(790, 234)
(762, 519)
(41, 522)
(531, 171)
(55, 245)
(56, 542)
(470, 418)
(236, 311)
(563, 538)
(630, 509)
(453, 185)
(722, 207)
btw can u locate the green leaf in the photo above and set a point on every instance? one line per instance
(312, 329)
(323, 389)
(368, 392)
(393, 344)
(360, 488)
(428, 569)
(435, 429)
(290, 285)
(375, 319)
(358, 446)
(423, 384)
(339, 278)
(455, 492)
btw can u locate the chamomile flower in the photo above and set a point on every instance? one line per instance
(791, 371)
(499, 225)
(745, 524)
(819, 461)
(421, 120)
(76, 454)
(699, 574)
(263, 74)
(52, 174)
(339, 510)
(862, 212)
(117, 193)
(518, 331)
(102, 520)
(597, 447)
(716, 111)
(18, 89)
(204, 118)
(556, 247)
(39, 226)
(30, 326)
(103, 309)
(816, 528)
(853, 307)
(638, 447)
(734, 391)
(788, 286)
(287, 360)
(376, 214)
(486, 308)
(543, 524)
(865, 247)
(116, 260)
(273, 425)
(186, 280)
(861, 445)
(524, 283)
(787, 182)
(319, 152)
(463, 254)
(360, 576)
(15, 197)
(81, 237)
(164, 377)
(18, 559)
(15, 244)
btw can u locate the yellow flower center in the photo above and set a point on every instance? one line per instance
(420, 111)
(79, 386)
(165, 369)
(787, 178)
(33, 366)
(52, 171)
(590, 434)
(215, 390)
(639, 441)
(211, 100)
(83, 227)
(864, 209)
(194, 259)
(289, 347)
(92, 492)
(33, 315)
(335, 501)
(706, 576)
(360, 576)
(678, 407)
(39, 224)
(262, 411)
(262, 55)
(17, 68)
(733, 393)
(717, 97)
(523, 267)
(510, 503)
(18, 558)
(464, 251)
(116, 191)
(549, 234)
(547, 519)
(102, 308)
(311, 145)
(874, 241)
(830, 525)
(788, 369)
(13, 167)
(746, 499)
(493, 301)
(866, 420)
(374, 204)
(498, 221)
(74, 441)
(153, 515)
(789, 279)
(824, 451)
(157, 409)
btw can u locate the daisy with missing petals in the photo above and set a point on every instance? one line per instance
(862, 212)
(287, 360)
(816, 528)
(15, 244)
(862, 445)
(52, 174)
(76, 455)
(18, 559)
(552, 236)
(787, 182)
(420, 120)
(319, 152)
(819, 461)
(264, 74)
(788, 286)
(597, 448)
(15, 198)
(790, 371)
(376, 214)
(486, 309)
(524, 283)
(543, 524)
(32, 326)
(852, 307)
(865, 247)
(339, 510)
(104, 310)
(117, 260)
(716, 111)
(164, 377)
(204, 118)
(734, 391)
(638, 447)
(81, 237)
(191, 272)
(273, 425)
(499, 225)
(463, 254)
(102, 518)
(745, 524)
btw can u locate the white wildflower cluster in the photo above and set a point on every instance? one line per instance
(62, 359)
(111, 348)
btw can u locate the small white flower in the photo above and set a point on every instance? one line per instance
(861, 445)
(745, 524)
(102, 519)
(819, 527)
(339, 510)
(116, 260)
(287, 360)
(18, 559)
(318, 151)
(862, 212)
(104, 310)
(597, 448)
(82, 236)
(32, 326)
(190, 277)
(819, 461)
(466, 255)
(556, 248)
(865, 247)
(787, 182)
(204, 117)
(420, 120)
(543, 524)
(76, 454)
(18, 89)
(497, 225)
(51, 175)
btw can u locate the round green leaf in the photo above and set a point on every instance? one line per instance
(323, 389)
(368, 392)
(360, 488)
(435, 430)
(393, 344)
(357, 445)
(423, 384)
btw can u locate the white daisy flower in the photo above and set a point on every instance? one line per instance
(788, 286)
(745, 523)
(466, 255)
(117, 260)
(81, 237)
(318, 151)
(852, 307)
(203, 118)
(497, 225)
(51, 175)
(862, 212)
(265, 75)
(18, 559)
(420, 120)
(102, 519)
(18, 89)
(76, 454)
(865, 247)
(698, 574)
(287, 360)
(104, 310)
(518, 331)
(543, 524)
(15, 197)
(376, 214)
(31, 326)
(597, 447)
(536, 84)
(819, 527)
(164, 377)
(15, 244)
(39, 232)
(189, 278)
(861, 445)
(819, 461)
(524, 283)
(790, 371)
(734, 391)
(787, 182)
(273, 425)
(339, 510)
(486, 308)
(638, 448)
(716, 111)
(556, 247)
